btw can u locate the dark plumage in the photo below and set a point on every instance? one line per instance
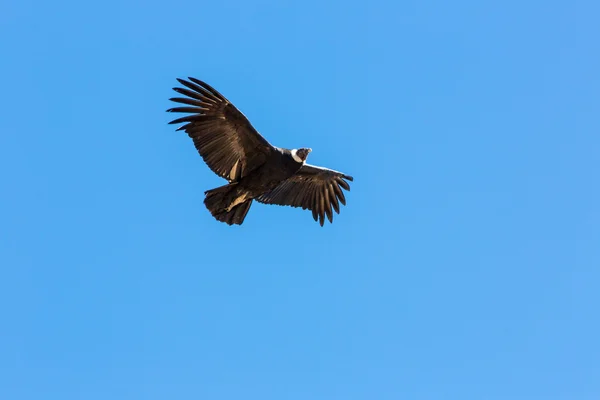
(255, 169)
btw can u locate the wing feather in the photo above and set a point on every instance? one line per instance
(339, 193)
(333, 197)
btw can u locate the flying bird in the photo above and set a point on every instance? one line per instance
(254, 169)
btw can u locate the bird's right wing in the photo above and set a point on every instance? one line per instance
(315, 188)
(225, 139)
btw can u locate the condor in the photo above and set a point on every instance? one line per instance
(255, 169)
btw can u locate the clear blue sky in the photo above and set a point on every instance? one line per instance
(465, 265)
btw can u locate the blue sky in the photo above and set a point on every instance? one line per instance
(465, 265)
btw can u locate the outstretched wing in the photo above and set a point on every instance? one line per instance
(313, 188)
(225, 139)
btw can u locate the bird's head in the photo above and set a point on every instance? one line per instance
(300, 155)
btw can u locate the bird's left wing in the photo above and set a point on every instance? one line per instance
(314, 188)
(223, 136)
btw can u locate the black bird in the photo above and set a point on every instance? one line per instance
(255, 169)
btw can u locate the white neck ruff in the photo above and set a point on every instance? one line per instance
(295, 156)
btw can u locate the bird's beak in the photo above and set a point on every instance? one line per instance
(309, 150)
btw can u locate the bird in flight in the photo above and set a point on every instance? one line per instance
(254, 169)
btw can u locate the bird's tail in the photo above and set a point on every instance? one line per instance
(219, 201)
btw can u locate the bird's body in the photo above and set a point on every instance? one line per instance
(278, 167)
(255, 169)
